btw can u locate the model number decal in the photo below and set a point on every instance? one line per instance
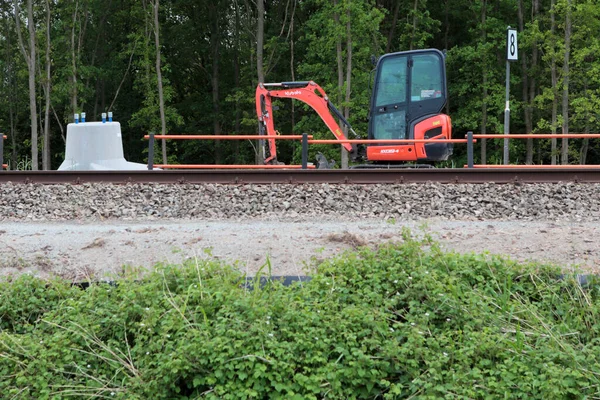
(389, 151)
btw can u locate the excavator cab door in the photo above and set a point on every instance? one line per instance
(409, 94)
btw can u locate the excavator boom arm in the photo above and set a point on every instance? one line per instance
(307, 92)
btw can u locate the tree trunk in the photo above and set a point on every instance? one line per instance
(100, 52)
(100, 86)
(340, 70)
(236, 79)
(13, 133)
(585, 146)
(446, 23)
(414, 27)
(525, 92)
(446, 32)
(484, 83)
(339, 56)
(586, 142)
(161, 99)
(565, 98)
(30, 58)
(214, 43)
(74, 93)
(260, 71)
(292, 69)
(392, 31)
(554, 78)
(10, 78)
(32, 89)
(348, 81)
(46, 156)
(534, 65)
(260, 39)
(123, 79)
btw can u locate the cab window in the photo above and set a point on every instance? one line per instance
(426, 80)
(391, 81)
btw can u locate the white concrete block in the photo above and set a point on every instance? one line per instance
(96, 146)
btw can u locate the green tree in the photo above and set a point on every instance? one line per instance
(28, 48)
(585, 73)
(154, 114)
(355, 32)
(476, 74)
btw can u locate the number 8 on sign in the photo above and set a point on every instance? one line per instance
(512, 53)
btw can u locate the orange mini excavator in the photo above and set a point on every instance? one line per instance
(408, 96)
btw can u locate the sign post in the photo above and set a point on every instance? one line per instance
(512, 54)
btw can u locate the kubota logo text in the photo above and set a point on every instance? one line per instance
(292, 93)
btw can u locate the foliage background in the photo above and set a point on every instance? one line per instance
(102, 57)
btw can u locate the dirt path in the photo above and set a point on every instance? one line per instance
(100, 249)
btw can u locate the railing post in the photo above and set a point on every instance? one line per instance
(1, 152)
(304, 150)
(151, 151)
(470, 149)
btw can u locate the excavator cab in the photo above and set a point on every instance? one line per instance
(409, 94)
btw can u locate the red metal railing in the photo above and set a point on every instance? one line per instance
(538, 136)
(385, 141)
(226, 137)
(306, 140)
(153, 137)
(472, 137)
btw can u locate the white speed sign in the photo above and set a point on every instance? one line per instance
(512, 51)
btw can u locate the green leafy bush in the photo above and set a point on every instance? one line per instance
(405, 320)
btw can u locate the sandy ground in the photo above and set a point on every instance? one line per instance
(100, 249)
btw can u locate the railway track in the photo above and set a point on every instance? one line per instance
(390, 176)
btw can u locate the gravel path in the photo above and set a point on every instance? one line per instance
(81, 250)
(92, 230)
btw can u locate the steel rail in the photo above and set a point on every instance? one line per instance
(356, 176)
(538, 136)
(534, 166)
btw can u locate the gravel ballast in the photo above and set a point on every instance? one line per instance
(89, 231)
(530, 202)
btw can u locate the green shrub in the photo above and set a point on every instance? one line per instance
(405, 320)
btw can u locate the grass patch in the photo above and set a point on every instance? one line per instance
(404, 320)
